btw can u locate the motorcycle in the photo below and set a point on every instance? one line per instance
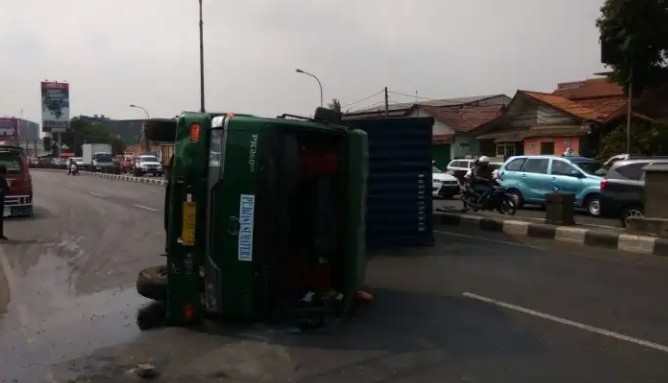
(497, 199)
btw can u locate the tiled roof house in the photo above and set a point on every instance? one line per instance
(550, 123)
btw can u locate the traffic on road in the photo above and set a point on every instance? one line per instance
(502, 309)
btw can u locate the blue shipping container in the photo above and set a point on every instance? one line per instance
(399, 204)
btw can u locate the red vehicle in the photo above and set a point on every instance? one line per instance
(18, 201)
(126, 162)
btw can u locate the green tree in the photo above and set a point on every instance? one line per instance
(635, 33)
(646, 139)
(335, 105)
(82, 132)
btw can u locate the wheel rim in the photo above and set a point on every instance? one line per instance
(508, 206)
(631, 213)
(594, 207)
(515, 198)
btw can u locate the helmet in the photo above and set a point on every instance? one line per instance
(483, 160)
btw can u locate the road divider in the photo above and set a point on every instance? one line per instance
(122, 177)
(609, 239)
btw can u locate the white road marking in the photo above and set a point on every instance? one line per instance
(98, 195)
(481, 238)
(145, 207)
(537, 219)
(21, 311)
(567, 322)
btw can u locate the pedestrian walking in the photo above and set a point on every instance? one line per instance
(4, 188)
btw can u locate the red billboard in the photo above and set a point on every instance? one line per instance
(9, 127)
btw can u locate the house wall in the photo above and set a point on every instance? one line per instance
(529, 114)
(465, 144)
(550, 116)
(561, 144)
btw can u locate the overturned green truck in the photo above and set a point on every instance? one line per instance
(264, 218)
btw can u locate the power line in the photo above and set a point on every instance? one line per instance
(378, 103)
(411, 95)
(362, 99)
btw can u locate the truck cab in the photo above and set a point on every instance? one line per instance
(261, 212)
(102, 161)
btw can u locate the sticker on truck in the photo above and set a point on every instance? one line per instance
(188, 226)
(246, 213)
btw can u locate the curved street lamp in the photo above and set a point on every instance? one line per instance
(147, 144)
(139, 107)
(316, 79)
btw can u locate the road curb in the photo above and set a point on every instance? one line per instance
(576, 235)
(122, 177)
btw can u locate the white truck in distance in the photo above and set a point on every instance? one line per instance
(97, 157)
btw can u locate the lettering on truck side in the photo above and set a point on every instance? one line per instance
(246, 213)
(252, 152)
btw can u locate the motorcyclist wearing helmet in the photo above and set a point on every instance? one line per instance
(482, 178)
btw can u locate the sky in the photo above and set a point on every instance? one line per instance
(146, 52)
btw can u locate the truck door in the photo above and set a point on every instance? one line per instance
(214, 187)
(231, 193)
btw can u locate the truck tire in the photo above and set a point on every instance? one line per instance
(152, 283)
(160, 129)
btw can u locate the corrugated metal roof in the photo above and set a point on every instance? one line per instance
(438, 103)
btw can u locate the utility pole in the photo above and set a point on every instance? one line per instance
(387, 105)
(629, 111)
(201, 58)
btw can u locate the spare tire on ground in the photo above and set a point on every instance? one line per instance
(160, 129)
(152, 283)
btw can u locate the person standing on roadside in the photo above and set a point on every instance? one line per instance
(4, 188)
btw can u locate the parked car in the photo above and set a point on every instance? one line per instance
(623, 189)
(444, 185)
(147, 165)
(531, 178)
(79, 161)
(18, 201)
(459, 168)
(608, 164)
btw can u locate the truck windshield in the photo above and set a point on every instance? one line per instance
(103, 157)
(11, 161)
(148, 159)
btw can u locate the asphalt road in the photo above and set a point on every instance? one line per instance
(470, 309)
(534, 214)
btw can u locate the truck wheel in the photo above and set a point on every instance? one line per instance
(152, 283)
(160, 130)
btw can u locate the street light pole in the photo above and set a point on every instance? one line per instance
(316, 79)
(147, 144)
(629, 113)
(201, 58)
(139, 107)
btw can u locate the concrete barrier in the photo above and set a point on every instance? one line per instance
(576, 235)
(123, 177)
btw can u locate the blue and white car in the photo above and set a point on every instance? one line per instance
(530, 178)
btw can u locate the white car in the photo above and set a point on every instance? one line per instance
(78, 161)
(147, 165)
(444, 185)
